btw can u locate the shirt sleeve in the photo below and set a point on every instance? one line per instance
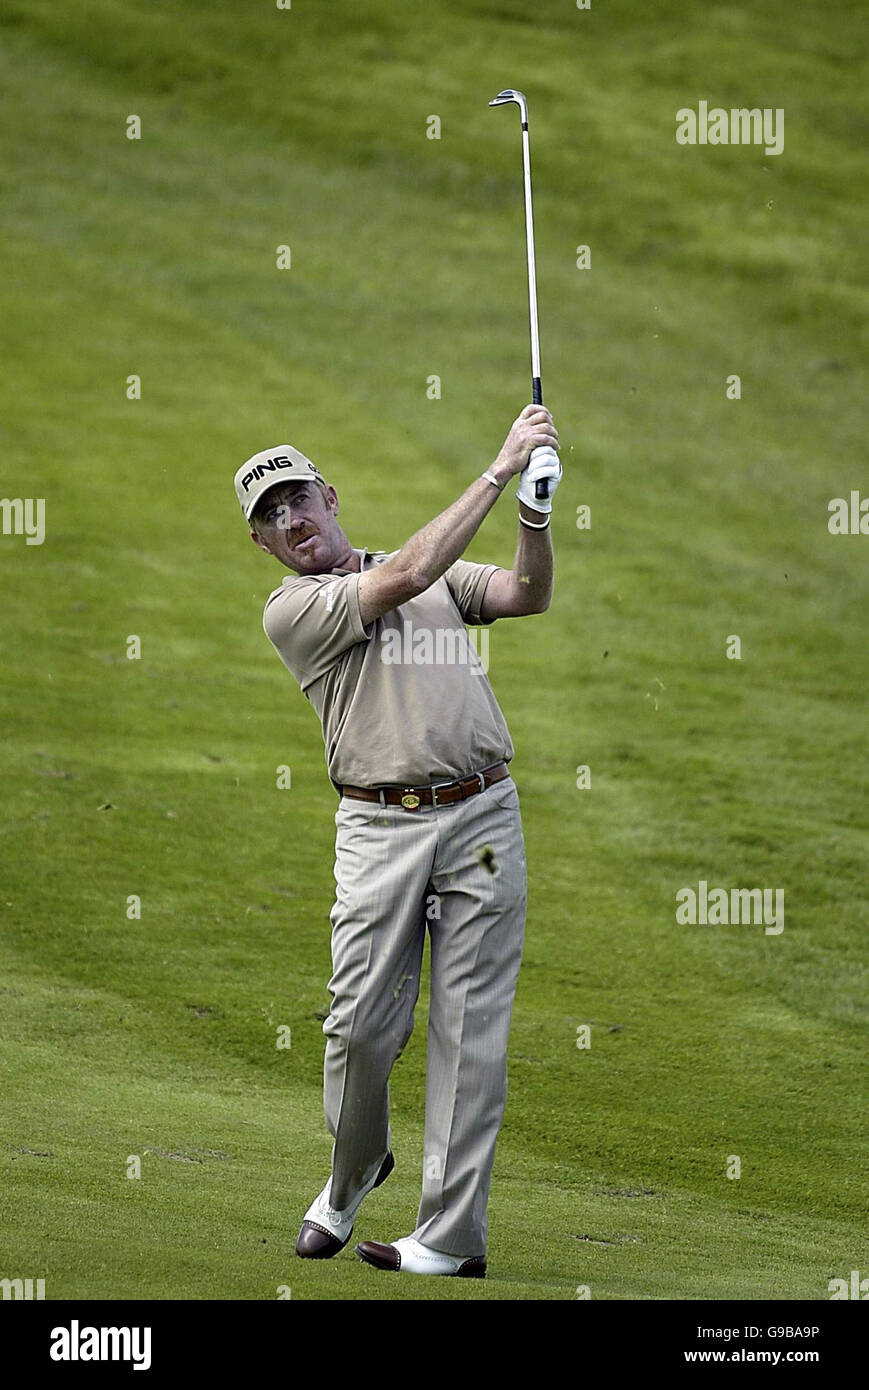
(312, 621)
(467, 583)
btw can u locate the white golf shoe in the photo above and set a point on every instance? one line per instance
(325, 1230)
(411, 1257)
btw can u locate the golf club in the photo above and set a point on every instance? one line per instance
(503, 99)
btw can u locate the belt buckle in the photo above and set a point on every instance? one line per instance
(410, 801)
(434, 791)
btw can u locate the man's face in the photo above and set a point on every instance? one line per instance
(297, 523)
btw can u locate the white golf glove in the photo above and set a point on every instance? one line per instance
(543, 463)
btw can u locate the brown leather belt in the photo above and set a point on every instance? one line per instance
(411, 798)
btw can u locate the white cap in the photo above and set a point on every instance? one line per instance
(282, 464)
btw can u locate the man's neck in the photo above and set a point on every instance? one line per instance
(348, 561)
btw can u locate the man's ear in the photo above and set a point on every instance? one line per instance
(332, 499)
(259, 542)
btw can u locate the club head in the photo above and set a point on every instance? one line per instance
(508, 95)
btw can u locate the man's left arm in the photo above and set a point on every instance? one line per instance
(527, 587)
(486, 592)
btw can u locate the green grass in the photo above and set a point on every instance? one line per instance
(156, 1037)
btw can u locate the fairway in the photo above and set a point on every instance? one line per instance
(686, 1110)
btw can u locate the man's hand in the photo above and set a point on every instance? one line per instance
(546, 466)
(531, 429)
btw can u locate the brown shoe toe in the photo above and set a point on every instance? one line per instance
(315, 1243)
(381, 1256)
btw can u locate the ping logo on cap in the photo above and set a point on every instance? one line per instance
(269, 466)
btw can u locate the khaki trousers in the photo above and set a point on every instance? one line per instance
(458, 871)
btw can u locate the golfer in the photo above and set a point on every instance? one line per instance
(429, 835)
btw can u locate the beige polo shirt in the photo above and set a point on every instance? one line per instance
(404, 701)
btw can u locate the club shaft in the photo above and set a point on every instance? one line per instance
(542, 487)
(536, 383)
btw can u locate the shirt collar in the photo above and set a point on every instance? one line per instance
(365, 559)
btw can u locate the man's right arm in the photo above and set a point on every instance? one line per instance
(429, 552)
